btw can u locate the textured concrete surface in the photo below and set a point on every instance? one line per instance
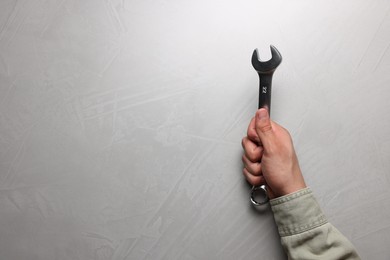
(121, 123)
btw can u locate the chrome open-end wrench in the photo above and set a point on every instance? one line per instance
(265, 69)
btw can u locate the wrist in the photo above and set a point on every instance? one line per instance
(293, 188)
(290, 185)
(296, 183)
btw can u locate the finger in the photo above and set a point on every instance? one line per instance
(253, 168)
(254, 180)
(252, 151)
(264, 127)
(251, 132)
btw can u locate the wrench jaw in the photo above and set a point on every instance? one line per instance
(266, 67)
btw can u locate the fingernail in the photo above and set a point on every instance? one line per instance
(262, 115)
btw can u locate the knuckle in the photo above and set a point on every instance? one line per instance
(257, 181)
(257, 168)
(249, 131)
(265, 128)
(246, 173)
(254, 181)
(244, 142)
(253, 136)
(252, 156)
(243, 159)
(253, 169)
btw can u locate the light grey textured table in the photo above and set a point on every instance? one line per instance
(121, 124)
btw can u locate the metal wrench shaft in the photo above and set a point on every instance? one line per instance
(265, 88)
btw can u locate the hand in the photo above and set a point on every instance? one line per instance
(269, 157)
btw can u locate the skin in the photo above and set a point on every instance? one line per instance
(269, 157)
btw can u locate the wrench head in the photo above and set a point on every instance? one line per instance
(266, 67)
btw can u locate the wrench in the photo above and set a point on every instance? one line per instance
(265, 69)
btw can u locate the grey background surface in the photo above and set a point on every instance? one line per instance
(121, 124)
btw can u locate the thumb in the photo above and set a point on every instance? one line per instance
(264, 127)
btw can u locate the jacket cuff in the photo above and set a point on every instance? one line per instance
(297, 212)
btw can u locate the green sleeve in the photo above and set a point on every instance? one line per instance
(304, 230)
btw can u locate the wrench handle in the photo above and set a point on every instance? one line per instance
(265, 88)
